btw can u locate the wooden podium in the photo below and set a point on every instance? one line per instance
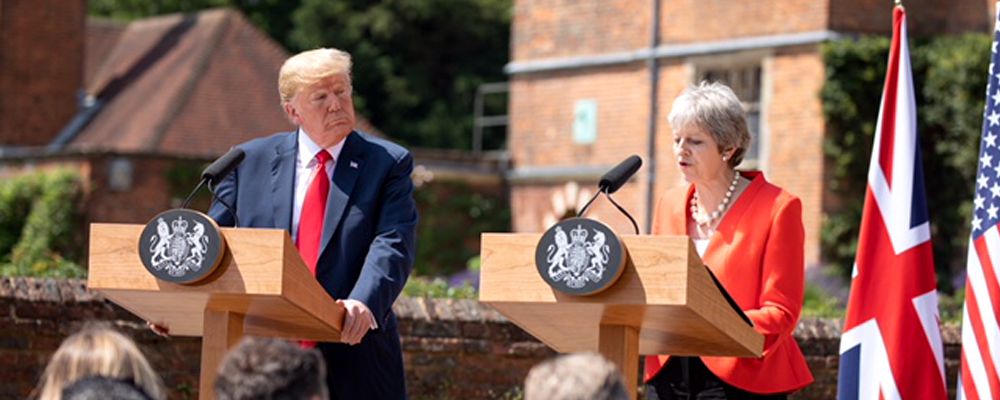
(261, 288)
(665, 302)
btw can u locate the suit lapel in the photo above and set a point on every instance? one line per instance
(731, 220)
(726, 231)
(283, 180)
(345, 174)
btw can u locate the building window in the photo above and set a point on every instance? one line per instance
(120, 173)
(745, 80)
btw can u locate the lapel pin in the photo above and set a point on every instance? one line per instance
(354, 164)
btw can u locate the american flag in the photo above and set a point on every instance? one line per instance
(980, 330)
(891, 347)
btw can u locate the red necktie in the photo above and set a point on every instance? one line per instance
(313, 210)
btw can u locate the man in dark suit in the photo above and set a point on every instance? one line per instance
(347, 200)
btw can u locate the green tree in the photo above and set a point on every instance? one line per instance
(417, 64)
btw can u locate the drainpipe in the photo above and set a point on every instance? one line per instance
(654, 83)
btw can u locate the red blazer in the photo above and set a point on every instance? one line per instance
(757, 254)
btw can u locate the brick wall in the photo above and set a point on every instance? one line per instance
(924, 17)
(452, 349)
(541, 136)
(794, 134)
(41, 68)
(560, 28)
(542, 132)
(557, 28)
(688, 21)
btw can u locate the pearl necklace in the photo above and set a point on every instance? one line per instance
(709, 220)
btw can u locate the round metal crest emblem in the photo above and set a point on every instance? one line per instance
(181, 246)
(580, 256)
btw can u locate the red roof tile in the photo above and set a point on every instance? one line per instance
(102, 35)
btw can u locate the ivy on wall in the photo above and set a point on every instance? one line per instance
(949, 74)
(39, 216)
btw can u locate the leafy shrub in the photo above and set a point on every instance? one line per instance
(419, 286)
(820, 304)
(38, 219)
(951, 306)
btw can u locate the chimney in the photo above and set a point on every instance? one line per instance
(41, 68)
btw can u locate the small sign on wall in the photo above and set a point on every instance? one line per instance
(585, 122)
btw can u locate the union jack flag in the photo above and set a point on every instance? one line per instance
(980, 330)
(891, 347)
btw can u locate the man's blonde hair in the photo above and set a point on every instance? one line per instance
(309, 67)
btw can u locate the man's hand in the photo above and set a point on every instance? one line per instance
(358, 319)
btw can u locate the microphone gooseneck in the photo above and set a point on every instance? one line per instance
(187, 201)
(231, 209)
(614, 180)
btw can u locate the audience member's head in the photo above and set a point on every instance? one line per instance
(99, 350)
(577, 376)
(265, 368)
(103, 388)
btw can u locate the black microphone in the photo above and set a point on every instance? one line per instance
(215, 173)
(617, 176)
(218, 170)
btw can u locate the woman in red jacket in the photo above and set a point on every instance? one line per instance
(749, 233)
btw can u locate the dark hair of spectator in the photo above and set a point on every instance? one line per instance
(103, 388)
(265, 368)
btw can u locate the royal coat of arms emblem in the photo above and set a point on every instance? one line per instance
(176, 249)
(579, 256)
(181, 246)
(577, 261)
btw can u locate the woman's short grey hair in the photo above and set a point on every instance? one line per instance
(309, 67)
(715, 108)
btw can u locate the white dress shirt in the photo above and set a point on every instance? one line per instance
(701, 245)
(305, 163)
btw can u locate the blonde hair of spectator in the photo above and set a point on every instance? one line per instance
(98, 350)
(575, 376)
(311, 66)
